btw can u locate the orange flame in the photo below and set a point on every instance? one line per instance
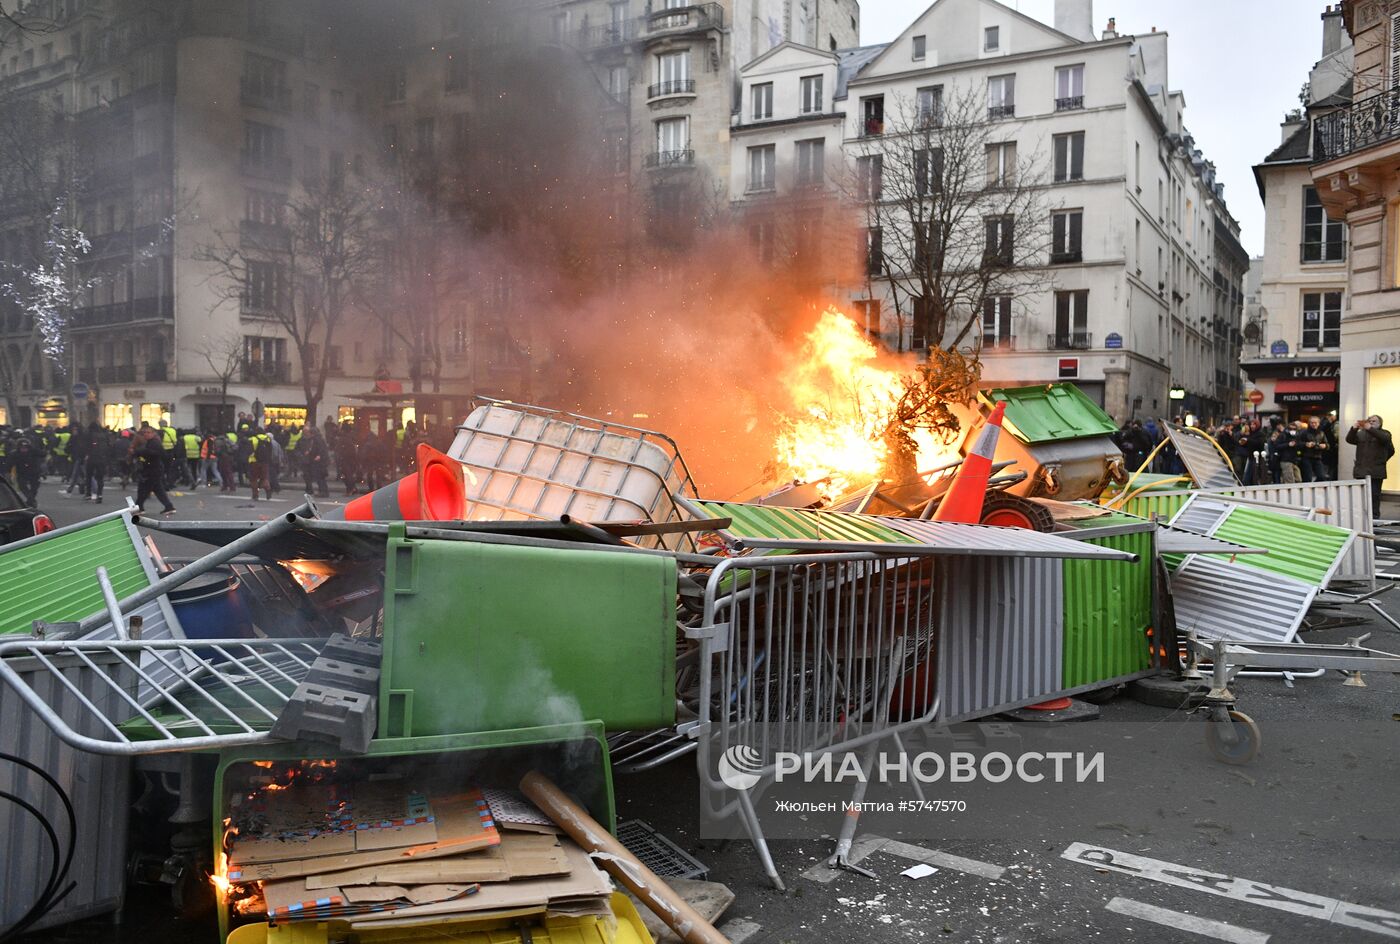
(844, 393)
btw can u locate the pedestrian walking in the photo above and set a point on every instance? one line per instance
(259, 462)
(28, 464)
(314, 458)
(189, 441)
(225, 452)
(1374, 449)
(209, 474)
(149, 457)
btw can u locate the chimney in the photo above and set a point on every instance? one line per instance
(1075, 18)
(1112, 31)
(1291, 123)
(1331, 30)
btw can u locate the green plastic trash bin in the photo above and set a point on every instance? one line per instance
(1108, 604)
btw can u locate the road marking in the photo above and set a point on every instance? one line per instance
(944, 860)
(1185, 922)
(1270, 896)
(738, 930)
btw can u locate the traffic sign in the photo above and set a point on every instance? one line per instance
(1256, 397)
(80, 391)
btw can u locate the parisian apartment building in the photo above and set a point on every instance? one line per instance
(1142, 296)
(1293, 334)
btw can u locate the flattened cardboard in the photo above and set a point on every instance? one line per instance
(520, 855)
(460, 829)
(585, 880)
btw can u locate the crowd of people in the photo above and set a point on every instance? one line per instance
(1270, 450)
(161, 458)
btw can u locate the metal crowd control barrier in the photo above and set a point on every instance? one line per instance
(209, 693)
(809, 653)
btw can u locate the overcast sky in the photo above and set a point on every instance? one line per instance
(1240, 63)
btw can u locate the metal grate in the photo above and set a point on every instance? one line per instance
(658, 853)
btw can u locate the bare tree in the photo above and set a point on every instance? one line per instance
(304, 274)
(955, 215)
(224, 355)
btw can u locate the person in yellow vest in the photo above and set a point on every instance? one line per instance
(60, 455)
(259, 462)
(190, 440)
(169, 439)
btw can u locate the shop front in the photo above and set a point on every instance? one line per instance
(1294, 388)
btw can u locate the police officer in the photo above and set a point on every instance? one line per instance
(28, 463)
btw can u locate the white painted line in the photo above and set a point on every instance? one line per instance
(1185, 922)
(1322, 908)
(944, 860)
(738, 930)
(862, 847)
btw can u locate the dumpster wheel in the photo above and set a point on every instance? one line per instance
(1013, 511)
(1235, 741)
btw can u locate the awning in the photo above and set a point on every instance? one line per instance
(1305, 386)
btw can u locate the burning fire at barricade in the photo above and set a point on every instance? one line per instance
(857, 414)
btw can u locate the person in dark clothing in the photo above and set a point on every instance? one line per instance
(314, 458)
(1315, 453)
(347, 457)
(150, 460)
(96, 442)
(29, 465)
(1373, 451)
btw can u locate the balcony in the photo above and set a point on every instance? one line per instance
(1359, 125)
(1073, 103)
(671, 87)
(1067, 257)
(120, 374)
(702, 16)
(148, 309)
(276, 167)
(610, 34)
(994, 344)
(998, 112)
(266, 372)
(662, 159)
(265, 236)
(257, 94)
(1071, 341)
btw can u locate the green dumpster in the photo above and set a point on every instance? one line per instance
(1108, 604)
(482, 637)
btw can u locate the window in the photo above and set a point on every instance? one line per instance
(1137, 245)
(920, 46)
(618, 81)
(396, 84)
(264, 287)
(811, 94)
(928, 247)
(921, 325)
(996, 322)
(311, 101)
(264, 79)
(872, 116)
(259, 352)
(673, 73)
(1324, 239)
(991, 39)
(761, 95)
(456, 78)
(874, 251)
(1069, 156)
(870, 172)
(1394, 50)
(928, 171)
(424, 132)
(673, 139)
(761, 236)
(1000, 246)
(869, 315)
(1322, 320)
(337, 104)
(263, 144)
(811, 156)
(1069, 87)
(761, 163)
(264, 207)
(930, 106)
(1137, 166)
(1001, 163)
(1066, 236)
(1001, 96)
(1071, 320)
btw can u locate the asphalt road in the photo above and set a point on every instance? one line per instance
(1196, 875)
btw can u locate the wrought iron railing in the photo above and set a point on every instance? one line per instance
(1070, 341)
(683, 158)
(996, 112)
(671, 87)
(1066, 256)
(267, 372)
(260, 94)
(991, 342)
(1069, 103)
(609, 34)
(1359, 125)
(699, 16)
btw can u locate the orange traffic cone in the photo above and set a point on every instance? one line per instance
(963, 502)
(436, 492)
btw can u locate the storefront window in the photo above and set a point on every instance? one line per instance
(284, 415)
(117, 415)
(153, 413)
(345, 414)
(407, 415)
(1383, 399)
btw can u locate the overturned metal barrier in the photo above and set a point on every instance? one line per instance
(212, 693)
